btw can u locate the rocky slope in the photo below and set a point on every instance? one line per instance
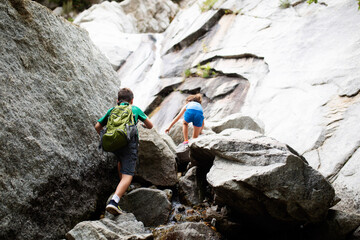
(287, 74)
(291, 68)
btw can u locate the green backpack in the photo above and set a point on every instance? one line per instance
(119, 128)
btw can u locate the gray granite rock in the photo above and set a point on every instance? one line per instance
(54, 85)
(157, 162)
(150, 206)
(259, 176)
(124, 226)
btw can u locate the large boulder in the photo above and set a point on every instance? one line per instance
(260, 176)
(236, 120)
(54, 86)
(156, 163)
(124, 226)
(151, 206)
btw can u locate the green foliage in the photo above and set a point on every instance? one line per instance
(204, 71)
(207, 5)
(312, 1)
(284, 4)
(235, 12)
(187, 73)
(316, 1)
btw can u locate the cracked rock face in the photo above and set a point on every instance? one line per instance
(259, 176)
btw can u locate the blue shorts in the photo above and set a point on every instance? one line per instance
(194, 116)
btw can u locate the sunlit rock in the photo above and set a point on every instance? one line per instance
(257, 175)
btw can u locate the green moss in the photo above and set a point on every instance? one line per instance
(187, 73)
(284, 4)
(205, 71)
(207, 5)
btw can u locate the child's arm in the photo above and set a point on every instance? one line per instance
(98, 127)
(147, 123)
(176, 119)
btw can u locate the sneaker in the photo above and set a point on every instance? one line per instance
(186, 142)
(113, 208)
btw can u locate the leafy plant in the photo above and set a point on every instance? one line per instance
(316, 1)
(312, 1)
(187, 73)
(207, 5)
(205, 71)
(284, 4)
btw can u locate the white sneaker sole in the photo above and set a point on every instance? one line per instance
(113, 210)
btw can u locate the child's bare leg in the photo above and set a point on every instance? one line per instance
(185, 130)
(123, 185)
(196, 131)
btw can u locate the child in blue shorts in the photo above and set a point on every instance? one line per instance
(193, 112)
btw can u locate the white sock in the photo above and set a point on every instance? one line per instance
(116, 198)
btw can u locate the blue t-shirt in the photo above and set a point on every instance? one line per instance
(194, 106)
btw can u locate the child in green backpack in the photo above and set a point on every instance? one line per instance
(127, 155)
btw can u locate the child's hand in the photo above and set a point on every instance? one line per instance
(167, 130)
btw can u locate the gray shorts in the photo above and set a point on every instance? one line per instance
(128, 155)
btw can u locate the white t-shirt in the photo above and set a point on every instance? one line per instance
(194, 105)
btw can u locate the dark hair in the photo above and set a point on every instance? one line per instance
(194, 98)
(125, 95)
